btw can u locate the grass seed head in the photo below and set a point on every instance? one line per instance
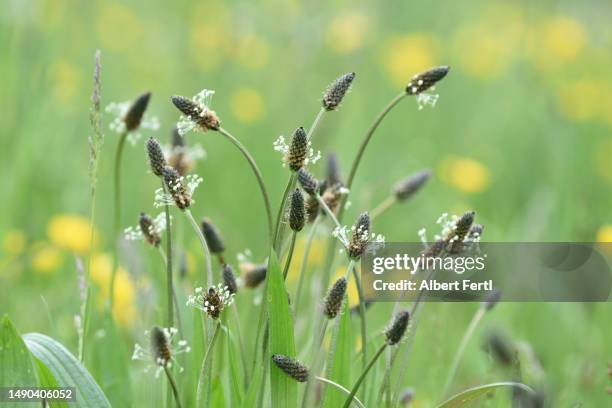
(212, 236)
(491, 299)
(156, 156)
(205, 119)
(160, 346)
(501, 348)
(134, 115)
(308, 182)
(229, 279)
(335, 92)
(411, 184)
(149, 232)
(292, 367)
(332, 173)
(425, 80)
(435, 249)
(298, 150)
(176, 188)
(312, 208)
(176, 140)
(334, 298)
(476, 231)
(398, 327)
(254, 275)
(463, 225)
(297, 212)
(360, 237)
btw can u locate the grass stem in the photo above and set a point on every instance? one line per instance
(300, 285)
(341, 388)
(355, 388)
(208, 260)
(364, 331)
(464, 342)
(173, 386)
(169, 277)
(382, 207)
(289, 255)
(205, 370)
(116, 211)
(258, 176)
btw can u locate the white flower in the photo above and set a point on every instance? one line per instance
(213, 301)
(117, 125)
(149, 354)
(281, 146)
(135, 233)
(202, 100)
(423, 99)
(191, 181)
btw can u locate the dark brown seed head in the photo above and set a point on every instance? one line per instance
(205, 119)
(398, 327)
(212, 236)
(410, 185)
(176, 187)
(156, 157)
(435, 249)
(298, 150)
(253, 275)
(308, 182)
(292, 367)
(160, 346)
(491, 299)
(312, 208)
(297, 212)
(213, 303)
(332, 174)
(149, 232)
(229, 279)
(462, 227)
(331, 196)
(336, 91)
(423, 81)
(501, 348)
(134, 115)
(334, 298)
(360, 237)
(181, 162)
(176, 139)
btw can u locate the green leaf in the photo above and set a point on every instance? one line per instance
(16, 365)
(468, 396)
(67, 370)
(233, 353)
(47, 380)
(283, 387)
(250, 400)
(341, 368)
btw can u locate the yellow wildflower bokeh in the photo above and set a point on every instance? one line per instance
(47, 259)
(252, 51)
(315, 257)
(601, 161)
(405, 56)
(14, 242)
(465, 174)
(118, 27)
(124, 309)
(208, 44)
(604, 234)
(580, 100)
(247, 105)
(346, 33)
(66, 81)
(72, 232)
(561, 39)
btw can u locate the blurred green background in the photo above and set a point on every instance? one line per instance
(521, 134)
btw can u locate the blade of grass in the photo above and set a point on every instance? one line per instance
(467, 397)
(283, 388)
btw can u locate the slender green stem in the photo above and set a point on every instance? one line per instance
(169, 279)
(196, 227)
(205, 370)
(258, 175)
(383, 206)
(315, 347)
(364, 331)
(331, 243)
(116, 212)
(173, 386)
(363, 375)
(289, 255)
(315, 123)
(464, 341)
(174, 298)
(369, 134)
(328, 211)
(311, 235)
(341, 388)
